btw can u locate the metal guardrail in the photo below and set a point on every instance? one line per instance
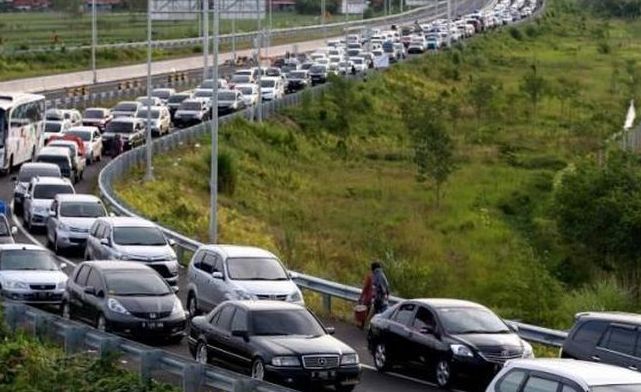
(76, 337)
(276, 34)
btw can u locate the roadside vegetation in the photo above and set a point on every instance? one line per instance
(30, 365)
(505, 216)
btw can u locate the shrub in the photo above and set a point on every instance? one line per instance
(227, 172)
(516, 34)
(603, 47)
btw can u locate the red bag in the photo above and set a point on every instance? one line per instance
(360, 314)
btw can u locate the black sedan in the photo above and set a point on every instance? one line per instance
(448, 337)
(275, 341)
(123, 297)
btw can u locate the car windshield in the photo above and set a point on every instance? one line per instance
(93, 113)
(272, 72)
(267, 83)
(285, 322)
(240, 79)
(226, 96)
(177, 98)
(71, 147)
(204, 93)
(150, 236)
(297, 75)
(126, 107)
(120, 127)
(190, 106)
(60, 160)
(52, 127)
(617, 388)
(27, 260)
(53, 115)
(317, 69)
(83, 209)
(27, 173)
(136, 283)
(468, 320)
(246, 90)
(143, 114)
(357, 61)
(84, 135)
(49, 191)
(162, 94)
(256, 269)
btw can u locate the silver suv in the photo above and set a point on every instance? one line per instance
(27, 172)
(70, 218)
(218, 273)
(40, 194)
(132, 239)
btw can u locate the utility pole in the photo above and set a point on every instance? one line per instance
(94, 34)
(149, 174)
(323, 18)
(205, 38)
(449, 24)
(213, 218)
(259, 41)
(233, 37)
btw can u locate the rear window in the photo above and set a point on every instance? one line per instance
(49, 191)
(27, 173)
(61, 161)
(162, 94)
(620, 339)
(190, 106)
(84, 135)
(126, 107)
(52, 127)
(589, 332)
(94, 113)
(177, 98)
(120, 127)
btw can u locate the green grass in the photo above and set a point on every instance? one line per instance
(328, 203)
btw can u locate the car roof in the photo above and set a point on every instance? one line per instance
(97, 108)
(51, 180)
(126, 119)
(587, 373)
(128, 102)
(266, 305)
(240, 85)
(54, 151)
(117, 265)
(39, 165)
(235, 251)
(77, 197)
(448, 303)
(21, 247)
(126, 221)
(83, 128)
(271, 78)
(191, 100)
(611, 316)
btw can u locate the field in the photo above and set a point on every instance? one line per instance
(331, 185)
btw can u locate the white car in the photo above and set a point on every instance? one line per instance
(155, 101)
(78, 161)
(70, 217)
(249, 92)
(272, 88)
(30, 274)
(92, 139)
(55, 127)
(565, 375)
(163, 94)
(160, 119)
(218, 273)
(208, 84)
(38, 199)
(126, 109)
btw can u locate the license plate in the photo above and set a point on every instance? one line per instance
(152, 324)
(324, 375)
(43, 295)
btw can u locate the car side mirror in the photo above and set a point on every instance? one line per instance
(14, 230)
(90, 290)
(241, 334)
(171, 242)
(105, 242)
(293, 275)
(111, 214)
(330, 330)
(100, 294)
(428, 330)
(175, 289)
(217, 275)
(63, 266)
(513, 327)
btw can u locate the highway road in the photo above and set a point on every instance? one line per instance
(413, 380)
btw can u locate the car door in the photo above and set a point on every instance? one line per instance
(397, 335)
(108, 252)
(424, 342)
(216, 287)
(92, 303)
(219, 334)
(238, 348)
(618, 346)
(75, 291)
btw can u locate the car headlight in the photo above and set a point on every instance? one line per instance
(349, 359)
(61, 285)
(62, 226)
(16, 285)
(173, 267)
(461, 350)
(296, 296)
(171, 257)
(244, 295)
(178, 307)
(116, 306)
(286, 361)
(528, 352)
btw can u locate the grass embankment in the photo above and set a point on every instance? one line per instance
(328, 198)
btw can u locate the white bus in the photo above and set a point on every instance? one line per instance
(22, 118)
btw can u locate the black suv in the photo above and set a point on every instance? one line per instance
(607, 337)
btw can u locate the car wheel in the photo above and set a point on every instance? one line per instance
(443, 373)
(381, 358)
(258, 369)
(192, 305)
(101, 324)
(201, 353)
(66, 311)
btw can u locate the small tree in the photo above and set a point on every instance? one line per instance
(534, 87)
(481, 94)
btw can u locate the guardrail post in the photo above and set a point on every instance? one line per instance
(74, 337)
(244, 385)
(193, 377)
(13, 313)
(40, 324)
(327, 303)
(107, 346)
(148, 360)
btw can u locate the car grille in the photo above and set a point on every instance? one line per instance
(151, 315)
(273, 297)
(42, 286)
(320, 361)
(500, 354)
(146, 258)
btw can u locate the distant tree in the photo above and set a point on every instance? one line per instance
(534, 87)
(481, 94)
(566, 89)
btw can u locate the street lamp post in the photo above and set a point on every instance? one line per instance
(213, 221)
(259, 41)
(205, 38)
(94, 34)
(149, 175)
(323, 18)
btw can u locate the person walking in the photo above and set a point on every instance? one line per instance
(380, 288)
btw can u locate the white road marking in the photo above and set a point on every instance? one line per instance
(33, 239)
(408, 378)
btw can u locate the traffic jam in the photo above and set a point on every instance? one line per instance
(237, 307)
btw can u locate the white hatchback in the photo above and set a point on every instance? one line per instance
(565, 375)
